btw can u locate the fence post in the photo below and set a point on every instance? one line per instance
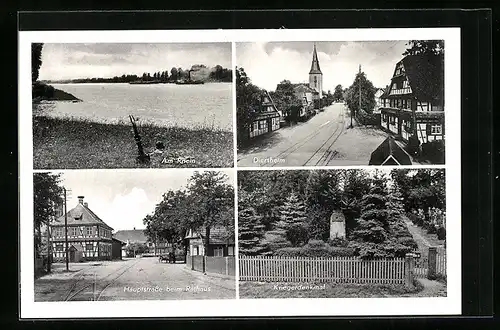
(432, 259)
(409, 263)
(192, 262)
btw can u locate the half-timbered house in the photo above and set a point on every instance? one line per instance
(267, 117)
(87, 234)
(414, 101)
(220, 244)
(306, 95)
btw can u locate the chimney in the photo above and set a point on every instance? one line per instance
(80, 199)
(86, 204)
(134, 228)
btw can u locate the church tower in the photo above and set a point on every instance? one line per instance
(315, 74)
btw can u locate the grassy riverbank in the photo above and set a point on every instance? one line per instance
(76, 144)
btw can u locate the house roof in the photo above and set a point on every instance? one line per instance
(117, 240)
(425, 74)
(388, 152)
(218, 235)
(132, 236)
(81, 215)
(303, 88)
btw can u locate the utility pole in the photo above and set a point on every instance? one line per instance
(66, 229)
(359, 82)
(48, 247)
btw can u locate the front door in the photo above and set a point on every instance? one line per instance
(72, 256)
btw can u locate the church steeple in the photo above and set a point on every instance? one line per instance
(316, 76)
(315, 63)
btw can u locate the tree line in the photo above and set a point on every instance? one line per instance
(206, 202)
(197, 72)
(288, 212)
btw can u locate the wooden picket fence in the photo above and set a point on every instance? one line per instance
(336, 269)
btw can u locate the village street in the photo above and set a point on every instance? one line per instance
(132, 279)
(325, 139)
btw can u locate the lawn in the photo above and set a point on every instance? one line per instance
(322, 290)
(78, 144)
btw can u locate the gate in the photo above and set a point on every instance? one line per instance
(431, 264)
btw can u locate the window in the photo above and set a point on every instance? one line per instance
(89, 247)
(436, 129)
(59, 247)
(88, 231)
(218, 251)
(262, 124)
(73, 231)
(230, 250)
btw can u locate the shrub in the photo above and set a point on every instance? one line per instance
(310, 251)
(431, 229)
(434, 151)
(338, 241)
(441, 233)
(297, 235)
(316, 243)
(365, 118)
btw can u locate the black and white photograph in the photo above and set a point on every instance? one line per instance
(340, 103)
(343, 233)
(134, 235)
(117, 105)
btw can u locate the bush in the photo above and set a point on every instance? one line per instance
(434, 151)
(431, 229)
(318, 251)
(441, 233)
(297, 235)
(338, 241)
(408, 241)
(40, 90)
(365, 118)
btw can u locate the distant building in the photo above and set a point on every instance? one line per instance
(379, 101)
(307, 95)
(88, 235)
(414, 102)
(268, 117)
(221, 244)
(138, 236)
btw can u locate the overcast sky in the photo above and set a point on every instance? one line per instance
(269, 63)
(67, 61)
(123, 198)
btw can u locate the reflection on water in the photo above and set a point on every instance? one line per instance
(191, 106)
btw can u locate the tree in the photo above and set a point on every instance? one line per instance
(424, 47)
(367, 94)
(36, 60)
(338, 94)
(323, 195)
(248, 102)
(47, 196)
(356, 184)
(293, 215)
(212, 201)
(174, 74)
(250, 227)
(135, 249)
(287, 101)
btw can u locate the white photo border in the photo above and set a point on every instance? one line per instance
(449, 305)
